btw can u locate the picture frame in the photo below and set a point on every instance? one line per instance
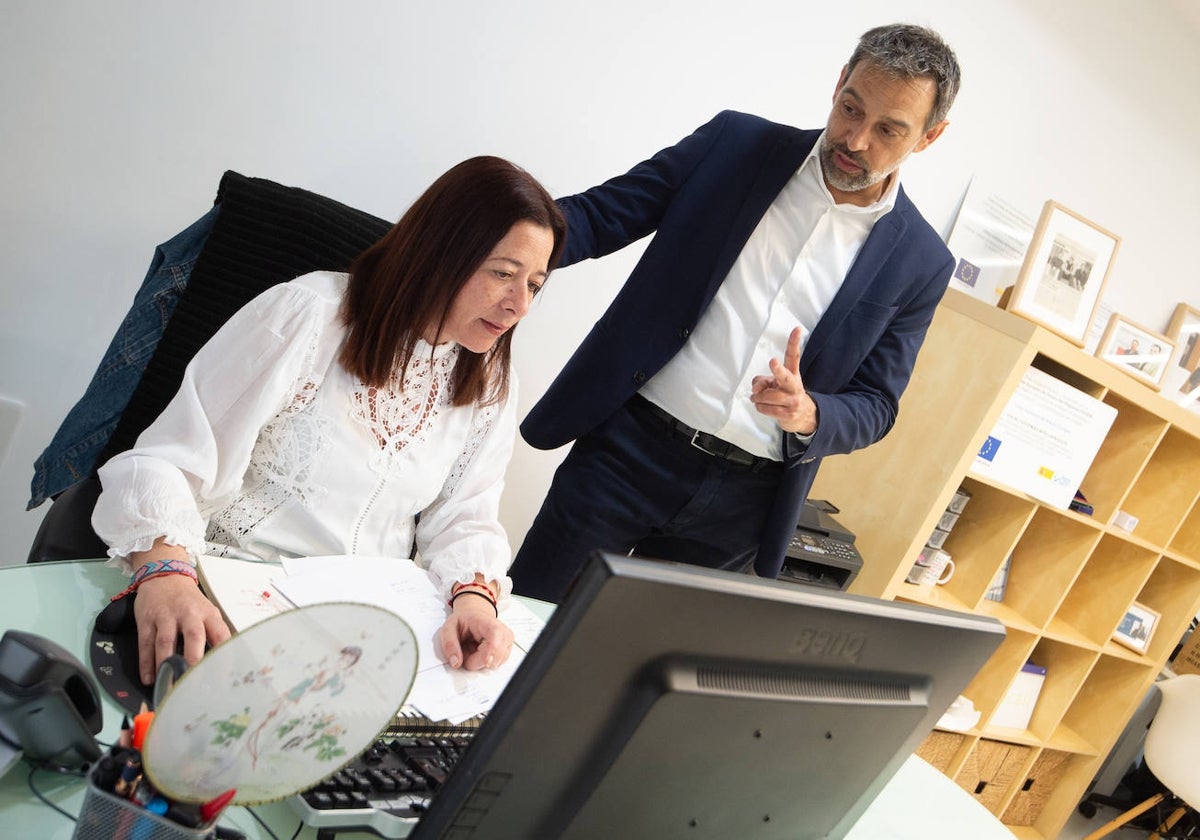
(1136, 628)
(1138, 351)
(1182, 383)
(1064, 273)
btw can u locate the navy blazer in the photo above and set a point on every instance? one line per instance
(702, 198)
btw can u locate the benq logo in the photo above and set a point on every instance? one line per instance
(831, 645)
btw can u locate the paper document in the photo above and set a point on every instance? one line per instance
(257, 590)
(244, 590)
(399, 586)
(1045, 440)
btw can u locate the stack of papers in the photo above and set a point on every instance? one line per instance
(248, 592)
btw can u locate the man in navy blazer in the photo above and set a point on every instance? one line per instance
(694, 440)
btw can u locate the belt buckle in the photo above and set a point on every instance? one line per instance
(731, 454)
(697, 434)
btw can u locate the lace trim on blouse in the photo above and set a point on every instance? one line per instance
(481, 424)
(405, 411)
(281, 467)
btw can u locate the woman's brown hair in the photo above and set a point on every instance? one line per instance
(406, 282)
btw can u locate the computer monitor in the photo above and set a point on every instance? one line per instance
(670, 701)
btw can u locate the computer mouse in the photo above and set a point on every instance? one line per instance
(117, 616)
(113, 652)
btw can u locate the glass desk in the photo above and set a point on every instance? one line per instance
(60, 601)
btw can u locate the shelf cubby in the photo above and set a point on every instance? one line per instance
(1107, 584)
(990, 684)
(1166, 489)
(1187, 539)
(985, 534)
(1067, 667)
(1065, 373)
(1103, 697)
(1172, 592)
(1045, 564)
(1122, 456)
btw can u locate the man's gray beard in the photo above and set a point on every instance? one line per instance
(844, 182)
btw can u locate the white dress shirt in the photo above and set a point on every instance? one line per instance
(786, 275)
(271, 449)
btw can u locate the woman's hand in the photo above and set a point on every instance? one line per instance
(473, 637)
(167, 607)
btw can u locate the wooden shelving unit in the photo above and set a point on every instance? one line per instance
(1071, 576)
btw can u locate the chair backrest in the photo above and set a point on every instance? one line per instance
(264, 234)
(1173, 739)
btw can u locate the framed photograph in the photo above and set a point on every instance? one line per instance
(1182, 383)
(1140, 352)
(1137, 627)
(1064, 272)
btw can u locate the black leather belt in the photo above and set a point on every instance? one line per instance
(706, 443)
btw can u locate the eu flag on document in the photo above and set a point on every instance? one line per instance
(990, 446)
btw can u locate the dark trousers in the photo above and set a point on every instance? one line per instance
(632, 485)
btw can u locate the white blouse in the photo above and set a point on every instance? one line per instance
(271, 449)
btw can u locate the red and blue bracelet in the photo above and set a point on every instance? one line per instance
(156, 568)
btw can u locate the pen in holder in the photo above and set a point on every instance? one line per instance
(106, 816)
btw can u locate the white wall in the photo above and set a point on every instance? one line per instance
(119, 117)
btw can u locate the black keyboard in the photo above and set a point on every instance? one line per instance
(386, 789)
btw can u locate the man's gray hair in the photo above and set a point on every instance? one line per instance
(911, 52)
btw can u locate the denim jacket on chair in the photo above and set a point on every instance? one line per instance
(72, 454)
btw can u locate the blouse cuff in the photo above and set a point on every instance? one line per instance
(463, 570)
(120, 552)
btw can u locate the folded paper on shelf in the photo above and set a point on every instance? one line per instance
(1016, 707)
(961, 716)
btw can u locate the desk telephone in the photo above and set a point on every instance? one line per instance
(822, 550)
(49, 705)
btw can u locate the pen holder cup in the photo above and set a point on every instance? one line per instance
(106, 816)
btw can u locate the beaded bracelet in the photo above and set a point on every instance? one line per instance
(156, 568)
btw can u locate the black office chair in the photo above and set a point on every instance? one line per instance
(265, 233)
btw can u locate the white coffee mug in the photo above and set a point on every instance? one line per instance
(933, 568)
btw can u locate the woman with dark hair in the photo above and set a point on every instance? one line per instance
(360, 413)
